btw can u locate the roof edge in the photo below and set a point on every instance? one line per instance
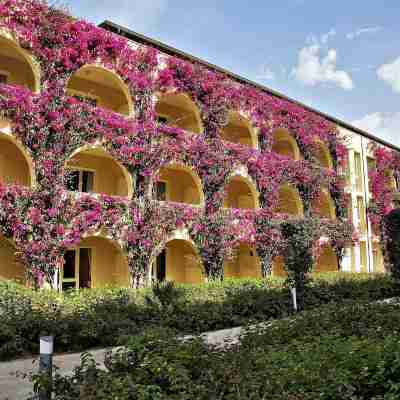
(142, 39)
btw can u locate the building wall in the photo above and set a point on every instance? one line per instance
(108, 178)
(360, 258)
(183, 264)
(9, 267)
(13, 166)
(19, 73)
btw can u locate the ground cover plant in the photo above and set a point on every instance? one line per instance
(350, 352)
(106, 317)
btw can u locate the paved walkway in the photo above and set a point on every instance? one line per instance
(15, 388)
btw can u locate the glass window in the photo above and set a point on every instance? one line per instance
(3, 78)
(86, 99)
(80, 181)
(162, 120)
(161, 191)
(69, 264)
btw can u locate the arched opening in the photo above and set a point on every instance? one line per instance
(289, 201)
(16, 167)
(323, 205)
(327, 260)
(96, 262)
(92, 170)
(245, 264)
(278, 267)
(17, 66)
(322, 154)
(285, 144)
(9, 267)
(178, 262)
(100, 87)
(179, 184)
(241, 193)
(179, 110)
(239, 130)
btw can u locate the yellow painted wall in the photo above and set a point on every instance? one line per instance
(285, 145)
(9, 268)
(363, 257)
(13, 166)
(278, 267)
(327, 261)
(379, 265)
(289, 201)
(236, 133)
(239, 195)
(109, 266)
(181, 186)
(109, 179)
(323, 206)
(19, 71)
(109, 95)
(178, 113)
(182, 263)
(246, 264)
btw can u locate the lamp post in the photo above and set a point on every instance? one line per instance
(46, 365)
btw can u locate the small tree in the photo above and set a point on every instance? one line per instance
(298, 255)
(392, 232)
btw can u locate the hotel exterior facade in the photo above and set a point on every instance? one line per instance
(124, 161)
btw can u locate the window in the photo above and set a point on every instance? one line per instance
(361, 214)
(159, 267)
(162, 119)
(161, 191)
(358, 171)
(3, 78)
(80, 181)
(76, 272)
(371, 164)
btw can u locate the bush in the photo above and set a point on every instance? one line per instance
(347, 353)
(392, 230)
(107, 317)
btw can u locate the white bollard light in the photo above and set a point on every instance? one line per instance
(294, 297)
(46, 364)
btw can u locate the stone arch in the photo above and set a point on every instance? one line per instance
(17, 65)
(240, 130)
(327, 260)
(16, 165)
(178, 260)
(322, 154)
(178, 183)
(101, 87)
(9, 268)
(289, 201)
(97, 261)
(323, 205)
(285, 144)
(245, 264)
(241, 192)
(96, 171)
(178, 109)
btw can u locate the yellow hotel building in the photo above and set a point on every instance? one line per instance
(99, 260)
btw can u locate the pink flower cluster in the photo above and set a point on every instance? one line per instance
(45, 221)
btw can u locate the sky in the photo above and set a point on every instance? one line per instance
(341, 57)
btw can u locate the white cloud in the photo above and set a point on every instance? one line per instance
(362, 31)
(313, 69)
(138, 15)
(390, 73)
(386, 125)
(326, 36)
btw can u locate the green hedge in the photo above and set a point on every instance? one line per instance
(92, 318)
(351, 352)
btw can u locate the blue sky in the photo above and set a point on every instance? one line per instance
(341, 57)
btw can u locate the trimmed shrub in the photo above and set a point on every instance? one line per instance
(107, 317)
(351, 354)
